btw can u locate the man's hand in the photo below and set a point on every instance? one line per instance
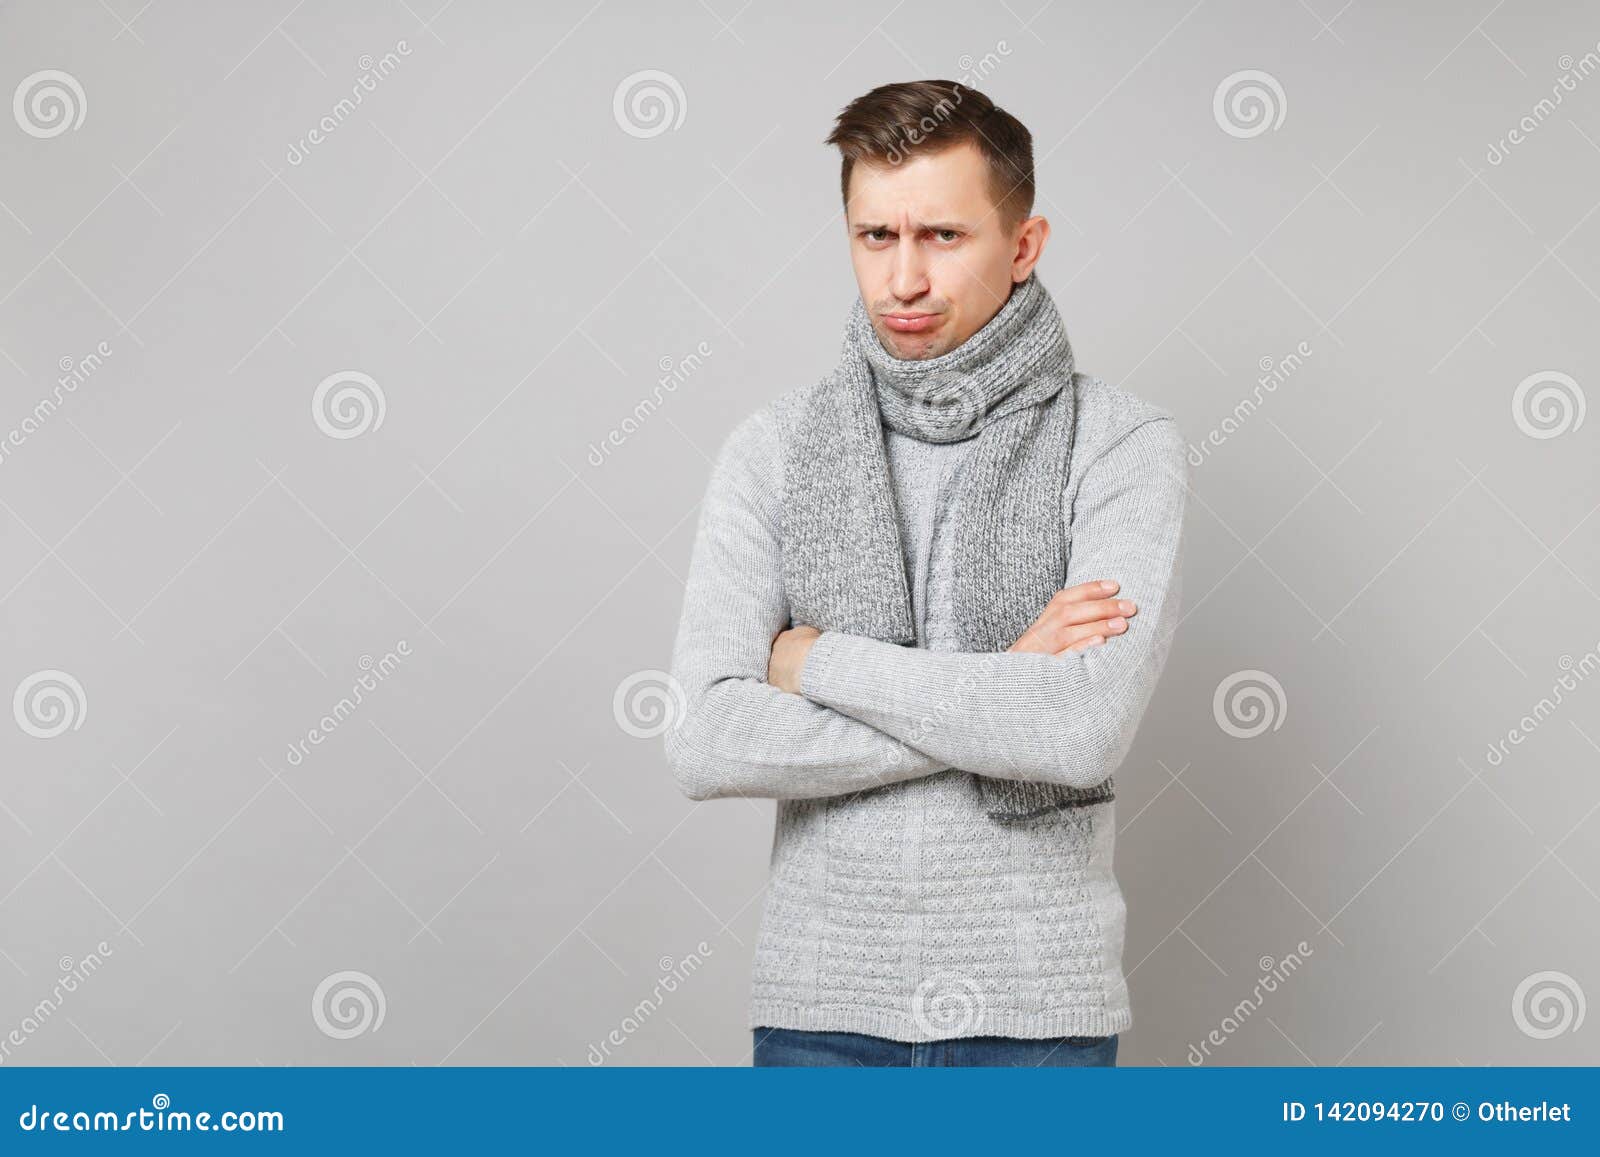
(789, 651)
(1077, 618)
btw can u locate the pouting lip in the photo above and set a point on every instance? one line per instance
(912, 322)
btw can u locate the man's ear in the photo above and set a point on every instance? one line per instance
(1032, 236)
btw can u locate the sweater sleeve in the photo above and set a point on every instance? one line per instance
(1066, 719)
(737, 735)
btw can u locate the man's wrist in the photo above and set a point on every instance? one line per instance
(812, 674)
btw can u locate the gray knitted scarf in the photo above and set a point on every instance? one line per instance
(1010, 386)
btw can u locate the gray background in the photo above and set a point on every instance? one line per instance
(510, 867)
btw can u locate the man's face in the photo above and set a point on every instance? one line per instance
(933, 259)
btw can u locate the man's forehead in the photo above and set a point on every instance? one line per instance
(928, 208)
(926, 190)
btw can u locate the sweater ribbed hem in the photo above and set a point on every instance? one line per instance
(902, 1027)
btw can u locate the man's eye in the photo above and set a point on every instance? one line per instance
(948, 234)
(876, 234)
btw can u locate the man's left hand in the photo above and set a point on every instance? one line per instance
(789, 651)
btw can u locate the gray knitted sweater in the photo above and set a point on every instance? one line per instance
(895, 905)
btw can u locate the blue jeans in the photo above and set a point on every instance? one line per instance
(787, 1046)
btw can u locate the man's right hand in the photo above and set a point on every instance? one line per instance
(1077, 618)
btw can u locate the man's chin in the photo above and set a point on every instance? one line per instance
(910, 346)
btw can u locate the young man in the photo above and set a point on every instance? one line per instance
(904, 623)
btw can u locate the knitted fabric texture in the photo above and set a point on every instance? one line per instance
(1008, 387)
(895, 906)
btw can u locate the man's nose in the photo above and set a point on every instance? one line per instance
(909, 280)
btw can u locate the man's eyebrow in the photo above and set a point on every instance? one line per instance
(935, 226)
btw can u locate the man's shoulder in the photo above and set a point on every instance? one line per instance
(756, 440)
(760, 432)
(1107, 414)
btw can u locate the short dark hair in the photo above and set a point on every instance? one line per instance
(884, 125)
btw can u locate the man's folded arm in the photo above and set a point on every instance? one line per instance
(737, 735)
(1066, 719)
